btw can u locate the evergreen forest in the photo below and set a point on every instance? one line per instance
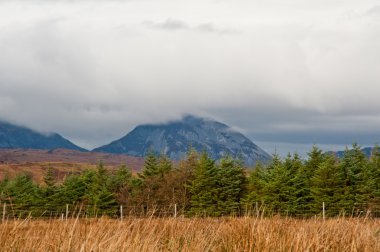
(200, 186)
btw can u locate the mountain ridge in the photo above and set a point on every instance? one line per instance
(13, 136)
(366, 150)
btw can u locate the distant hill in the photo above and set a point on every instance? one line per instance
(367, 151)
(175, 138)
(13, 136)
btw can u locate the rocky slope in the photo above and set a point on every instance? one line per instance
(175, 138)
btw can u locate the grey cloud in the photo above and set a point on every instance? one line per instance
(169, 24)
(374, 11)
(93, 72)
(176, 24)
(209, 27)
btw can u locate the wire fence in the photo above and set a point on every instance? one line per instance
(18, 211)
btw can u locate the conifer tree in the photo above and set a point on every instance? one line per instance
(150, 166)
(203, 189)
(374, 174)
(355, 172)
(164, 165)
(72, 190)
(49, 178)
(231, 185)
(122, 178)
(327, 185)
(22, 191)
(49, 190)
(277, 190)
(256, 185)
(299, 198)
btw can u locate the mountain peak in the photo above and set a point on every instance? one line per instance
(176, 137)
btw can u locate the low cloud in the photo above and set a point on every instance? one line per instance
(93, 71)
(176, 24)
(374, 11)
(169, 24)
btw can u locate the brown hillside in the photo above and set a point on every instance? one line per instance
(35, 162)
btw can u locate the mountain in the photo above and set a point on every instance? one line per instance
(175, 138)
(12, 137)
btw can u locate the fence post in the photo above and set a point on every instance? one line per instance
(121, 212)
(257, 209)
(4, 210)
(67, 211)
(175, 210)
(323, 210)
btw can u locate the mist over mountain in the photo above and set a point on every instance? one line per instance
(175, 138)
(13, 136)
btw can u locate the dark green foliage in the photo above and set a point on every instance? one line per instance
(121, 179)
(374, 175)
(204, 190)
(49, 178)
(231, 183)
(98, 193)
(21, 190)
(150, 166)
(164, 165)
(200, 186)
(255, 188)
(327, 185)
(277, 193)
(355, 173)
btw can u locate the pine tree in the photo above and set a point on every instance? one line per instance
(204, 191)
(327, 185)
(355, 172)
(72, 191)
(49, 191)
(98, 194)
(22, 191)
(49, 178)
(255, 188)
(374, 174)
(150, 166)
(122, 178)
(299, 198)
(164, 165)
(231, 185)
(277, 190)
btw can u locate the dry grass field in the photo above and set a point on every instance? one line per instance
(187, 234)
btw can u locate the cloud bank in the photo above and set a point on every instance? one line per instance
(294, 72)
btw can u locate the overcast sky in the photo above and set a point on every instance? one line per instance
(286, 73)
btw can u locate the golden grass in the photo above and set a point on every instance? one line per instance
(229, 234)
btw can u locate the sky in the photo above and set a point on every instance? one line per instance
(288, 74)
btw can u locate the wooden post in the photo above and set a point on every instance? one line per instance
(67, 211)
(121, 212)
(4, 210)
(323, 210)
(257, 209)
(175, 210)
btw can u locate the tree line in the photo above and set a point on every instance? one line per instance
(201, 186)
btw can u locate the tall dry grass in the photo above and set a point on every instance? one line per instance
(155, 234)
